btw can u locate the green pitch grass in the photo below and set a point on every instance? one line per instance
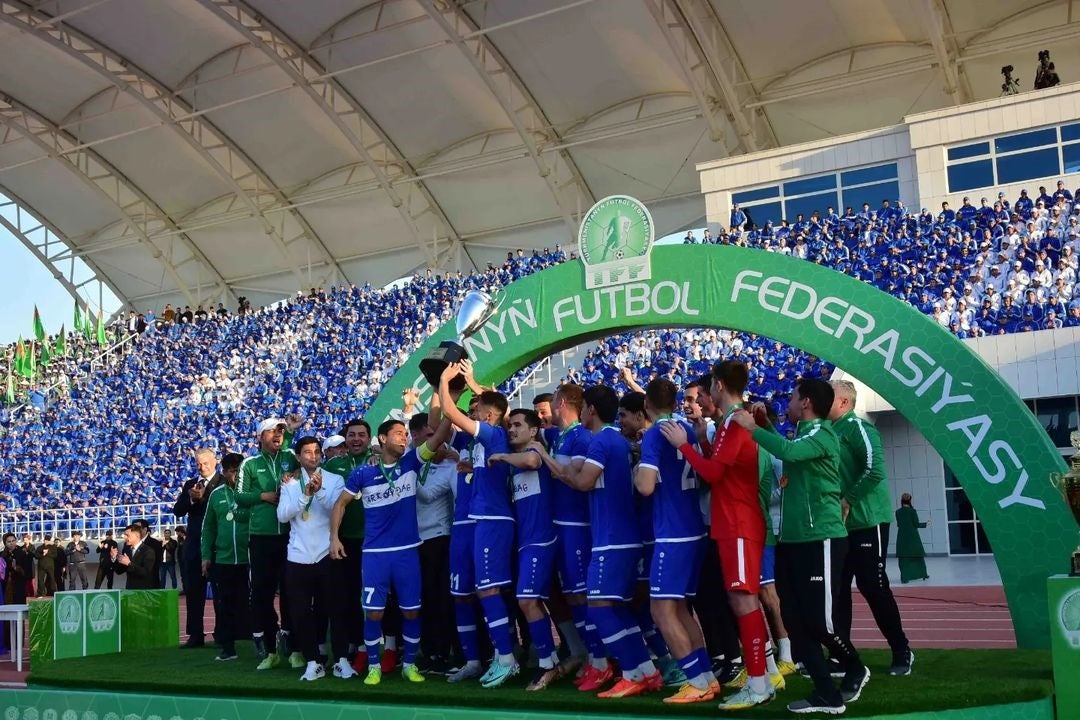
(942, 679)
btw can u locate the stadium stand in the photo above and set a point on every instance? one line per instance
(123, 437)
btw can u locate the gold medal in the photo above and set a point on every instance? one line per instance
(229, 516)
(305, 515)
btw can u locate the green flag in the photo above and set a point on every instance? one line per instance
(39, 327)
(88, 325)
(61, 344)
(46, 355)
(22, 363)
(102, 340)
(78, 318)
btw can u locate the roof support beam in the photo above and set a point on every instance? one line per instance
(719, 55)
(245, 179)
(25, 215)
(943, 39)
(562, 177)
(414, 202)
(139, 213)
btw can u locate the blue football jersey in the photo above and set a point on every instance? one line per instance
(675, 501)
(491, 485)
(611, 501)
(389, 503)
(532, 491)
(467, 448)
(571, 507)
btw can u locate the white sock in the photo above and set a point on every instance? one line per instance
(701, 682)
(472, 664)
(547, 663)
(647, 668)
(634, 675)
(784, 645)
(759, 684)
(390, 643)
(770, 660)
(506, 660)
(599, 663)
(573, 639)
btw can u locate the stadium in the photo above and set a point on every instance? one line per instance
(477, 264)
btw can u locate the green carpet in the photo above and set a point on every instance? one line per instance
(942, 679)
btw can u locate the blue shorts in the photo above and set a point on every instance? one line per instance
(491, 553)
(768, 565)
(676, 569)
(536, 565)
(462, 580)
(645, 562)
(397, 569)
(574, 550)
(613, 574)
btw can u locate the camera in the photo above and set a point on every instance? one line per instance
(1007, 70)
(1044, 56)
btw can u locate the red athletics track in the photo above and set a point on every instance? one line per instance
(934, 617)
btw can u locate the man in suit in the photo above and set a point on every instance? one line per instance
(46, 563)
(192, 504)
(105, 563)
(138, 561)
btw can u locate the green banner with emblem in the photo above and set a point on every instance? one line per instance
(998, 450)
(86, 622)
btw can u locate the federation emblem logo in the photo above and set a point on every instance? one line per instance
(615, 238)
(69, 615)
(102, 613)
(1069, 618)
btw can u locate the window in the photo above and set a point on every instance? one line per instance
(966, 536)
(805, 195)
(872, 194)
(1028, 165)
(809, 185)
(1059, 416)
(1027, 155)
(966, 176)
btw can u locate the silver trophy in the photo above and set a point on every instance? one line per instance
(476, 309)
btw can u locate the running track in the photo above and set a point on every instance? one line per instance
(934, 617)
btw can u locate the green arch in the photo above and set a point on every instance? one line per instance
(981, 428)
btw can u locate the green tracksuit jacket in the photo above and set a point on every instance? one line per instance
(862, 472)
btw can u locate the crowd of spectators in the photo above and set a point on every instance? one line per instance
(204, 377)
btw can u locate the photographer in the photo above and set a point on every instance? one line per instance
(1045, 74)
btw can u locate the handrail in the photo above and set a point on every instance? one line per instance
(64, 521)
(516, 392)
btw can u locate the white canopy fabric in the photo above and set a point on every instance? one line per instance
(197, 150)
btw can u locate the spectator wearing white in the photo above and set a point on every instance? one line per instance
(941, 315)
(333, 446)
(993, 296)
(1042, 294)
(948, 300)
(963, 315)
(1019, 274)
(306, 501)
(996, 280)
(1064, 271)
(1043, 275)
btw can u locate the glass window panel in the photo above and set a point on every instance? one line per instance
(759, 194)
(867, 175)
(1059, 417)
(809, 185)
(966, 151)
(962, 538)
(808, 204)
(950, 478)
(1027, 166)
(958, 505)
(872, 194)
(984, 542)
(1070, 132)
(966, 176)
(758, 215)
(1020, 141)
(1071, 155)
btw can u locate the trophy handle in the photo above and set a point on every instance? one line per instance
(1056, 479)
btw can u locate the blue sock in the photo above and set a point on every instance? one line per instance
(587, 630)
(498, 623)
(704, 659)
(372, 639)
(610, 631)
(543, 641)
(410, 631)
(649, 631)
(635, 653)
(465, 615)
(697, 674)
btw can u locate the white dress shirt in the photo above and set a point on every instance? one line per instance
(435, 500)
(309, 538)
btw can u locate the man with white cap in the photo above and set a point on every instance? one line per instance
(258, 488)
(332, 447)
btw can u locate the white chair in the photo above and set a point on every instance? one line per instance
(15, 615)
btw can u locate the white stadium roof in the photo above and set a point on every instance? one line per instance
(197, 150)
